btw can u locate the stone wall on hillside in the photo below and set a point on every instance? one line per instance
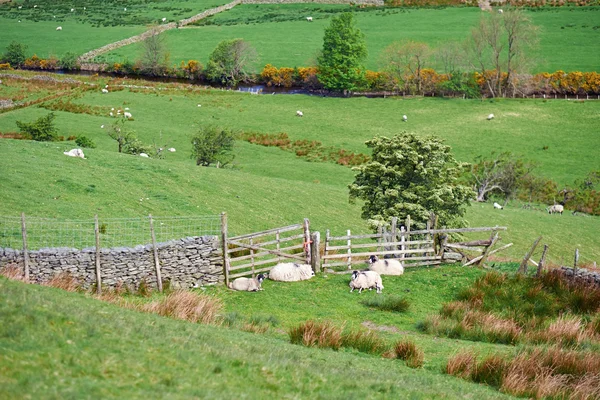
(188, 262)
(590, 277)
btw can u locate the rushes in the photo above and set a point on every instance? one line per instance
(188, 306)
(388, 303)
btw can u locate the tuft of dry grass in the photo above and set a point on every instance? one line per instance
(537, 372)
(462, 364)
(409, 352)
(188, 306)
(13, 272)
(567, 330)
(64, 281)
(320, 334)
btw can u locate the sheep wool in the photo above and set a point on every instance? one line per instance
(247, 284)
(373, 280)
(386, 266)
(291, 272)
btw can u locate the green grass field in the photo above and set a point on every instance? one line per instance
(569, 37)
(270, 187)
(60, 344)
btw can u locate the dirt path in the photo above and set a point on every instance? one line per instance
(89, 56)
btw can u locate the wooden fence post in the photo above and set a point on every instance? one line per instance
(402, 240)
(251, 241)
(155, 251)
(315, 258)
(225, 245)
(25, 253)
(486, 253)
(523, 266)
(349, 250)
(98, 276)
(307, 252)
(540, 267)
(575, 263)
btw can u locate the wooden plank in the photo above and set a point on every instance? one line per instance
(275, 252)
(542, 260)
(489, 254)
(459, 230)
(306, 244)
(349, 250)
(459, 246)
(315, 256)
(413, 251)
(370, 236)
(267, 232)
(523, 266)
(249, 273)
(280, 252)
(473, 243)
(486, 253)
(271, 242)
(375, 245)
(249, 265)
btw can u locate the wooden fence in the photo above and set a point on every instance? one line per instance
(254, 253)
(412, 248)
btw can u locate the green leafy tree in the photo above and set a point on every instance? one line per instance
(155, 57)
(15, 54)
(411, 175)
(344, 50)
(42, 129)
(69, 61)
(127, 139)
(213, 145)
(230, 62)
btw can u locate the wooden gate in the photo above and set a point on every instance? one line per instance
(254, 253)
(411, 247)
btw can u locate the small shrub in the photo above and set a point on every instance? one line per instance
(41, 130)
(84, 141)
(320, 334)
(388, 303)
(409, 352)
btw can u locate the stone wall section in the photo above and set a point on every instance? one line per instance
(355, 2)
(187, 262)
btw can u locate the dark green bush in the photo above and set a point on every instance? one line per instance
(84, 141)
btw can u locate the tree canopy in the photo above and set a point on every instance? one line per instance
(411, 175)
(344, 50)
(230, 61)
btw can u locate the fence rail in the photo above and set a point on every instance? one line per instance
(114, 232)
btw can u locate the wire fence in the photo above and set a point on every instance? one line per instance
(113, 232)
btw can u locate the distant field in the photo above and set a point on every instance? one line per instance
(569, 37)
(270, 187)
(102, 22)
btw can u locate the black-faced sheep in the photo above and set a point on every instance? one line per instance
(498, 206)
(373, 280)
(490, 117)
(291, 272)
(557, 208)
(386, 266)
(247, 284)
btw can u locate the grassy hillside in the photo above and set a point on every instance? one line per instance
(569, 37)
(55, 344)
(270, 187)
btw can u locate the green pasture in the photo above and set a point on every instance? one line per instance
(569, 37)
(56, 344)
(268, 187)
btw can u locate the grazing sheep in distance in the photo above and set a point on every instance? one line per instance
(291, 272)
(557, 208)
(404, 118)
(500, 11)
(59, 28)
(144, 155)
(299, 113)
(373, 280)
(309, 19)
(490, 117)
(127, 114)
(74, 153)
(104, 90)
(171, 149)
(385, 267)
(247, 284)
(164, 19)
(498, 206)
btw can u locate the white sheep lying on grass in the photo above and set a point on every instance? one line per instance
(59, 28)
(74, 153)
(299, 113)
(366, 280)
(291, 272)
(247, 284)
(386, 266)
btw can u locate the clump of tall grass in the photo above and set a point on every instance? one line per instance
(13, 272)
(387, 303)
(64, 281)
(260, 323)
(189, 306)
(363, 341)
(317, 334)
(539, 373)
(408, 351)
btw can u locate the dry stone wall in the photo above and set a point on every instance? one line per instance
(356, 2)
(188, 262)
